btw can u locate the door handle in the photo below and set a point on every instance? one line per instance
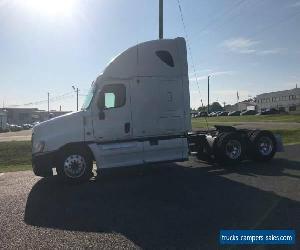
(101, 115)
(127, 127)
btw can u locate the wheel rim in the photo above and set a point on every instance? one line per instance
(74, 166)
(233, 149)
(265, 145)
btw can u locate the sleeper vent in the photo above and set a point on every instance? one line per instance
(166, 57)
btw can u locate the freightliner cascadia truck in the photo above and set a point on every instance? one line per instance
(138, 112)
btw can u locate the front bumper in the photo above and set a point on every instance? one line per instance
(42, 164)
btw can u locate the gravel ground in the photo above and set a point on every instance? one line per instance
(162, 206)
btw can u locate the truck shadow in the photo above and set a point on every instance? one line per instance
(161, 206)
(276, 167)
(284, 164)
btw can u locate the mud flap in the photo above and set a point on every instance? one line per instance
(279, 144)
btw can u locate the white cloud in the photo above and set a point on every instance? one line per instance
(201, 71)
(271, 51)
(241, 45)
(212, 73)
(199, 78)
(221, 73)
(247, 46)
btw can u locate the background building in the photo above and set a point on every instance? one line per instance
(241, 106)
(21, 116)
(286, 100)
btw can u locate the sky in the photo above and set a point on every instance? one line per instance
(246, 46)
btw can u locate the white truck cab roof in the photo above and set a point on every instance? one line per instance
(156, 58)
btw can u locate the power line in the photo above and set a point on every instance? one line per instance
(222, 14)
(267, 27)
(190, 51)
(255, 33)
(275, 24)
(52, 99)
(188, 45)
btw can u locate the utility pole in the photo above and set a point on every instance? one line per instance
(161, 19)
(208, 94)
(48, 103)
(77, 94)
(77, 97)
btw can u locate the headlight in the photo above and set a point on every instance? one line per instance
(38, 147)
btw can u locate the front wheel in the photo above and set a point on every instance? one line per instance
(75, 166)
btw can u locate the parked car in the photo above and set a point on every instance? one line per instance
(223, 113)
(13, 127)
(216, 113)
(271, 111)
(234, 113)
(26, 126)
(203, 114)
(249, 112)
(34, 124)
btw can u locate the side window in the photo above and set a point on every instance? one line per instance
(112, 96)
(166, 57)
(109, 100)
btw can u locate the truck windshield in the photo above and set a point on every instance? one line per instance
(89, 97)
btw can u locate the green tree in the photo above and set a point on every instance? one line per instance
(200, 109)
(215, 106)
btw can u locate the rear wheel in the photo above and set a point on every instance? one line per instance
(263, 145)
(75, 165)
(229, 148)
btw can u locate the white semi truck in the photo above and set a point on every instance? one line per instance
(137, 112)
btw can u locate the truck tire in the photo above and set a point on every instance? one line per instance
(229, 148)
(262, 145)
(75, 165)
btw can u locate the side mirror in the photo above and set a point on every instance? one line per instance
(101, 114)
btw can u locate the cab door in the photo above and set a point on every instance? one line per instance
(112, 127)
(111, 113)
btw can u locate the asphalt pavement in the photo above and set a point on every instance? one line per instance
(180, 206)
